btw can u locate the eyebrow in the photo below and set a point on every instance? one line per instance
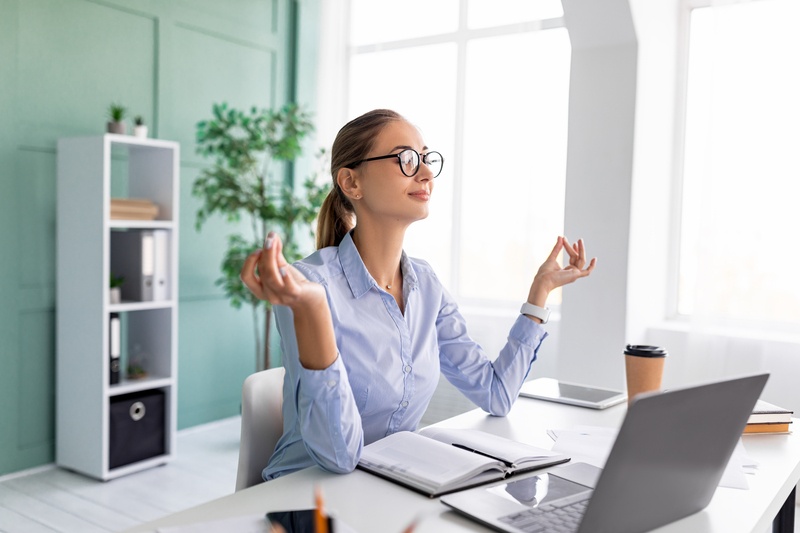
(406, 147)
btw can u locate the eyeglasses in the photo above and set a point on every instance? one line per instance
(409, 160)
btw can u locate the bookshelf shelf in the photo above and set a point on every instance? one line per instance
(141, 224)
(126, 386)
(139, 306)
(91, 246)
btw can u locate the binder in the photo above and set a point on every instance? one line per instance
(161, 288)
(114, 348)
(142, 258)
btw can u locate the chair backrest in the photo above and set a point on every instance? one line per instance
(262, 424)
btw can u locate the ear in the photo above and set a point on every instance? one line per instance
(347, 178)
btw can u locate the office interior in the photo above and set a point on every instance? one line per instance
(63, 61)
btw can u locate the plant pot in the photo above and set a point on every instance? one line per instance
(114, 295)
(140, 131)
(116, 127)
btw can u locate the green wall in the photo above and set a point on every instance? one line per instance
(62, 62)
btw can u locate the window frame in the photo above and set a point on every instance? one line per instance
(673, 314)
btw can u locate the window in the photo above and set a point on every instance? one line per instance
(489, 89)
(741, 170)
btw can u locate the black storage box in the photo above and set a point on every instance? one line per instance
(136, 427)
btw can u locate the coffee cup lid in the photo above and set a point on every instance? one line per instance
(645, 351)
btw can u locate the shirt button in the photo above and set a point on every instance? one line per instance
(331, 383)
(407, 368)
(404, 404)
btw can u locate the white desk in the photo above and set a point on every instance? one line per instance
(370, 504)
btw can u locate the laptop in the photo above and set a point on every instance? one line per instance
(666, 463)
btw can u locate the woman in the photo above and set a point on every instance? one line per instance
(366, 330)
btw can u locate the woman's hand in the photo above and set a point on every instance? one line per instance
(276, 280)
(552, 275)
(281, 284)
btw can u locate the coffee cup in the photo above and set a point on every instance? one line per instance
(644, 368)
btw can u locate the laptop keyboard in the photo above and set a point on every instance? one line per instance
(548, 518)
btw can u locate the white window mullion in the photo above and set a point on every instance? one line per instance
(458, 143)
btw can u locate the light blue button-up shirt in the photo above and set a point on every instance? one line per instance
(388, 363)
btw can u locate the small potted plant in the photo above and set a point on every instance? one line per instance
(139, 127)
(115, 289)
(116, 115)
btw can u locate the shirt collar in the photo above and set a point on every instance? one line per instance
(359, 278)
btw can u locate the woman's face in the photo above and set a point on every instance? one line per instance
(385, 191)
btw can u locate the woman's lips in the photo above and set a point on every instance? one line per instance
(421, 195)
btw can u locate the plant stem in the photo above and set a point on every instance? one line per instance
(267, 335)
(257, 331)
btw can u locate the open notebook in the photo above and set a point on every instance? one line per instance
(436, 461)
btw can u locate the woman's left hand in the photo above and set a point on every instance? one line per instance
(551, 275)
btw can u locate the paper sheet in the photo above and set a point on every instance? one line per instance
(592, 444)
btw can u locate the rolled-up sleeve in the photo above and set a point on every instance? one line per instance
(492, 385)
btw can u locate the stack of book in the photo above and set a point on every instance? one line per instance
(133, 209)
(768, 418)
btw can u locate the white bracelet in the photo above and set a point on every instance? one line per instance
(542, 313)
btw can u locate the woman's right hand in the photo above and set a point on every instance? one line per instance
(276, 280)
(281, 284)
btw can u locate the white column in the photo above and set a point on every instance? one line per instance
(598, 190)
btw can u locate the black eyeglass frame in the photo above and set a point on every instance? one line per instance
(420, 158)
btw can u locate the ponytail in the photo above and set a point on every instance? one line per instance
(336, 218)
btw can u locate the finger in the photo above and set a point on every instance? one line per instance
(580, 259)
(556, 250)
(290, 284)
(269, 265)
(279, 257)
(588, 270)
(268, 240)
(248, 274)
(573, 254)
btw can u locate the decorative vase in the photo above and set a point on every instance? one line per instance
(116, 127)
(114, 295)
(140, 131)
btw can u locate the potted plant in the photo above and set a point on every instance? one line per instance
(247, 180)
(139, 127)
(115, 288)
(116, 115)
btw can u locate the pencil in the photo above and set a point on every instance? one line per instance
(320, 520)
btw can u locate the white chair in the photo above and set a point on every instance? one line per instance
(262, 424)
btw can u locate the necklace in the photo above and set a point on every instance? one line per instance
(389, 285)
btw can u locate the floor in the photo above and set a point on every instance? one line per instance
(51, 499)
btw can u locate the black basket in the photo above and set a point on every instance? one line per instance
(136, 427)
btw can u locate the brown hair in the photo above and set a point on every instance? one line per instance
(352, 144)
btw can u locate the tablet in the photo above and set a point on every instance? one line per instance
(571, 393)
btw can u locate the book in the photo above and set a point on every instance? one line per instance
(768, 427)
(436, 461)
(133, 209)
(767, 413)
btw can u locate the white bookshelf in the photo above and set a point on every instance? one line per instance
(87, 175)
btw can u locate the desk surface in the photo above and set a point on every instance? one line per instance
(368, 503)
